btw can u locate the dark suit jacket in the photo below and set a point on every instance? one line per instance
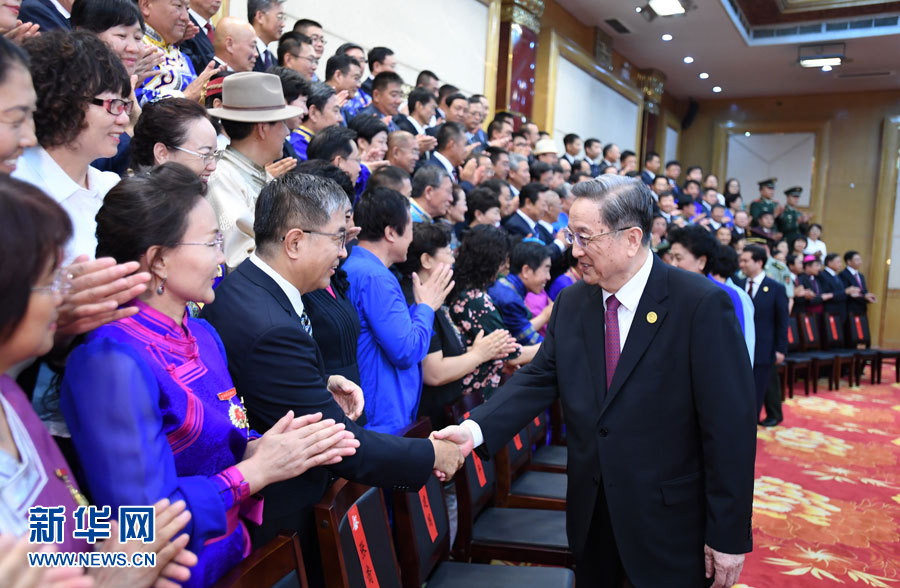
(42, 12)
(834, 284)
(806, 281)
(672, 442)
(648, 177)
(260, 64)
(516, 225)
(277, 367)
(770, 316)
(855, 305)
(198, 49)
(403, 124)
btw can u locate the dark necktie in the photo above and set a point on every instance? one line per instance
(612, 338)
(750, 289)
(859, 280)
(814, 284)
(210, 32)
(306, 324)
(267, 59)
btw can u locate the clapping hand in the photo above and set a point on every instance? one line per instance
(435, 290)
(725, 566)
(22, 31)
(348, 395)
(276, 169)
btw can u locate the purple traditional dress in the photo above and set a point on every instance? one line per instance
(153, 414)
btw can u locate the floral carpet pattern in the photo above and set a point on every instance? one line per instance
(826, 508)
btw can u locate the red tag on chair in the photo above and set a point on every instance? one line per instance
(429, 515)
(833, 325)
(537, 421)
(362, 548)
(809, 331)
(859, 328)
(790, 336)
(479, 469)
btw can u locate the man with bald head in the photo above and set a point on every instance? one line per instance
(403, 151)
(235, 44)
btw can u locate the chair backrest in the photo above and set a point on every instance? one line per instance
(537, 430)
(809, 332)
(858, 331)
(833, 337)
(422, 531)
(355, 538)
(794, 342)
(457, 410)
(277, 564)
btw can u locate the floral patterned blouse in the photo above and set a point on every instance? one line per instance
(474, 311)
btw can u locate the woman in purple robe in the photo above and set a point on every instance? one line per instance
(148, 399)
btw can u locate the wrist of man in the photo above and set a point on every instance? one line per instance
(475, 431)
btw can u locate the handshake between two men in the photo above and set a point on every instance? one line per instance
(452, 445)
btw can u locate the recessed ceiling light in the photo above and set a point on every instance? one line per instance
(666, 7)
(826, 68)
(704, 76)
(637, 8)
(667, 37)
(689, 59)
(746, 133)
(717, 89)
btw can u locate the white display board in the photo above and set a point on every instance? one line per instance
(894, 272)
(671, 149)
(789, 157)
(586, 106)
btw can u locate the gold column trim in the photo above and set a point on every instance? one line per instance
(492, 57)
(885, 198)
(652, 83)
(526, 13)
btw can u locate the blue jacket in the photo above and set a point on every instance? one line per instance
(508, 294)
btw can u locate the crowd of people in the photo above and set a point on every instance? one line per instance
(233, 272)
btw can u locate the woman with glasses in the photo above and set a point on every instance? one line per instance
(149, 400)
(175, 130)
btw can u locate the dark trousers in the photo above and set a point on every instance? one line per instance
(761, 374)
(600, 564)
(773, 396)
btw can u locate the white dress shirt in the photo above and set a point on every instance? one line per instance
(420, 130)
(629, 296)
(36, 167)
(757, 282)
(289, 289)
(62, 9)
(447, 165)
(201, 22)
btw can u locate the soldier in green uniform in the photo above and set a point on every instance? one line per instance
(791, 221)
(765, 202)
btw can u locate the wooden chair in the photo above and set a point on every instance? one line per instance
(520, 487)
(858, 334)
(834, 341)
(277, 563)
(795, 361)
(546, 458)
(812, 348)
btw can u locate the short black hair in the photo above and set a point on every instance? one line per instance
(99, 16)
(527, 253)
(495, 153)
(339, 62)
(449, 100)
(531, 192)
(385, 79)
(570, 138)
(725, 263)
(319, 95)
(692, 168)
(816, 225)
(254, 6)
(495, 128)
(418, 96)
(378, 209)
(163, 121)
(607, 148)
(651, 155)
(293, 85)
(666, 194)
(849, 255)
(450, 131)
(495, 185)
(291, 42)
(424, 76)
(673, 162)
(347, 47)
(389, 176)
(758, 253)
(689, 182)
(627, 153)
(427, 238)
(378, 55)
(367, 126)
(831, 257)
(698, 241)
(590, 143)
(305, 23)
(445, 91)
(324, 169)
(715, 206)
(539, 168)
(480, 199)
(331, 142)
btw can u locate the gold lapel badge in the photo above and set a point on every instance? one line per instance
(765, 288)
(651, 317)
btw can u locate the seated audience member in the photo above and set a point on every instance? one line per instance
(295, 52)
(344, 74)
(658, 232)
(421, 105)
(545, 151)
(322, 112)
(277, 366)
(428, 80)
(395, 337)
(593, 151)
(519, 172)
(450, 152)
(337, 146)
(500, 161)
(472, 122)
(296, 90)
(499, 133)
(175, 130)
(541, 172)
(267, 18)
(313, 30)
(533, 207)
(124, 397)
(814, 244)
(667, 207)
(455, 109)
(33, 231)
(519, 144)
(387, 96)
(717, 218)
(482, 208)
(706, 200)
(253, 113)
(724, 235)
(508, 202)
(166, 22)
(609, 170)
(741, 228)
(371, 137)
(392, 177)
(691, 190)
(443, 92)
(432, 194)
(529, 271)
(361, 99)
(199, 48)
(557, 177)
(686, 212)
(476, 169)
(449, 363)
(567, 278)
(380, 59)
(580, 176)
(403, 151)
(79, 117)
(852, 276)
(659, 185)
(235, 44)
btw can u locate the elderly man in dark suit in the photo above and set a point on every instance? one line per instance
(199, 48)
(654, 378)
(300, 230)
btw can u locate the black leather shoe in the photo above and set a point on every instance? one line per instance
(770, 422)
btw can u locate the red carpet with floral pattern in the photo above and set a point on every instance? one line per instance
(826, 510)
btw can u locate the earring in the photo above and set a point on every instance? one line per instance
(162, 287)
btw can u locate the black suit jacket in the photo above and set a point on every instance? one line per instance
(819, 288)
(770, 317)
(648, 177)
(276, 366)
(834, 284)
(198, 49)
(403, 124)
(672, 442)
(260, 64)
(855, 305)
(516, 225)
(42, 12)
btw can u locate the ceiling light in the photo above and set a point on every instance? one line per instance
(667, 37)
(688, 59)
(703, 76)
(826, 68)
(746, 133)
(666, 7)
(637, 8)
(717, 89)
(821, 55)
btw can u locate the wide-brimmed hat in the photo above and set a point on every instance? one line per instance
(253, 97)
(544, 146)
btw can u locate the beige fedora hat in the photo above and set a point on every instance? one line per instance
(253, 97)
(541, 147)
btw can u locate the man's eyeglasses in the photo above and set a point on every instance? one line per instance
(318, 39)
(207, 158)
(62, 284)
(312, 60)
(573, 238)
(115, 106)
(340, 237)
(218, 242)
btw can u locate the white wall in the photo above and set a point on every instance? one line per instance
(671, 147)
(590, 108)
(448, 37)
(786, 156)
(894, 272)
